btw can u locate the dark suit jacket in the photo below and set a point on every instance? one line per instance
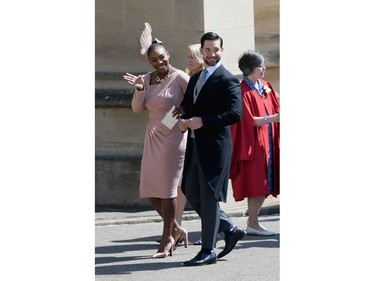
(219, 105)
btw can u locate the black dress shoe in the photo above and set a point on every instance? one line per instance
(201, 259)
(231, 240)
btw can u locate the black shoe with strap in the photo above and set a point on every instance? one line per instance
(231, 239)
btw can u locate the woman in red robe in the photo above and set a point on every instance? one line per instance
(255, 163)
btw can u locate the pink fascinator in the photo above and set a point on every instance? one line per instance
(146, 38)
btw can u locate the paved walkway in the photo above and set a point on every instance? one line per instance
(125, 240)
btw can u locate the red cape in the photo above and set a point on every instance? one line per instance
(250, 146)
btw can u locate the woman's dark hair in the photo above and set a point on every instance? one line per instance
(211, 36)
(249, 60)
(156, 44)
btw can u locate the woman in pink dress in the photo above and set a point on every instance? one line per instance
(164, 146)
(255, 164)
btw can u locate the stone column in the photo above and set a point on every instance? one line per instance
(234, 22)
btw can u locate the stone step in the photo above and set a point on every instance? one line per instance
(113, 97)
(111, 90)
(117, 172)
(118, 151)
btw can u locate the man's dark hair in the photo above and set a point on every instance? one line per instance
(211, 36)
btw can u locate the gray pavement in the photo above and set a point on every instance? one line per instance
(125, 240)
(123, 252)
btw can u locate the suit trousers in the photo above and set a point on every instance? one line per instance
(202, 198)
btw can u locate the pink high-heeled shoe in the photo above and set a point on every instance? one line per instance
(182, 236)
(164, 250)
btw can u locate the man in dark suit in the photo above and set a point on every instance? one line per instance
(211, 104)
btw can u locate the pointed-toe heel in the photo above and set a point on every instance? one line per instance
(182, 236)
(164, 250)
(159, 255)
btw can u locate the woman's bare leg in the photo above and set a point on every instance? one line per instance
(254, 204)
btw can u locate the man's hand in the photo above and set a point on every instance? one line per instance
(192, 123)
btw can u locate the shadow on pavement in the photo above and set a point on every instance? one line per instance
(128, 269)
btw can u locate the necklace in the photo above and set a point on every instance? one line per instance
(160, 80)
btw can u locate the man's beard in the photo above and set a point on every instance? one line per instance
(210, 63)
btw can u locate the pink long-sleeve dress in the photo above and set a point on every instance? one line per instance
(164, 148)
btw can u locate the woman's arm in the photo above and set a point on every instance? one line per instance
(260, 121)
(139, 91)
